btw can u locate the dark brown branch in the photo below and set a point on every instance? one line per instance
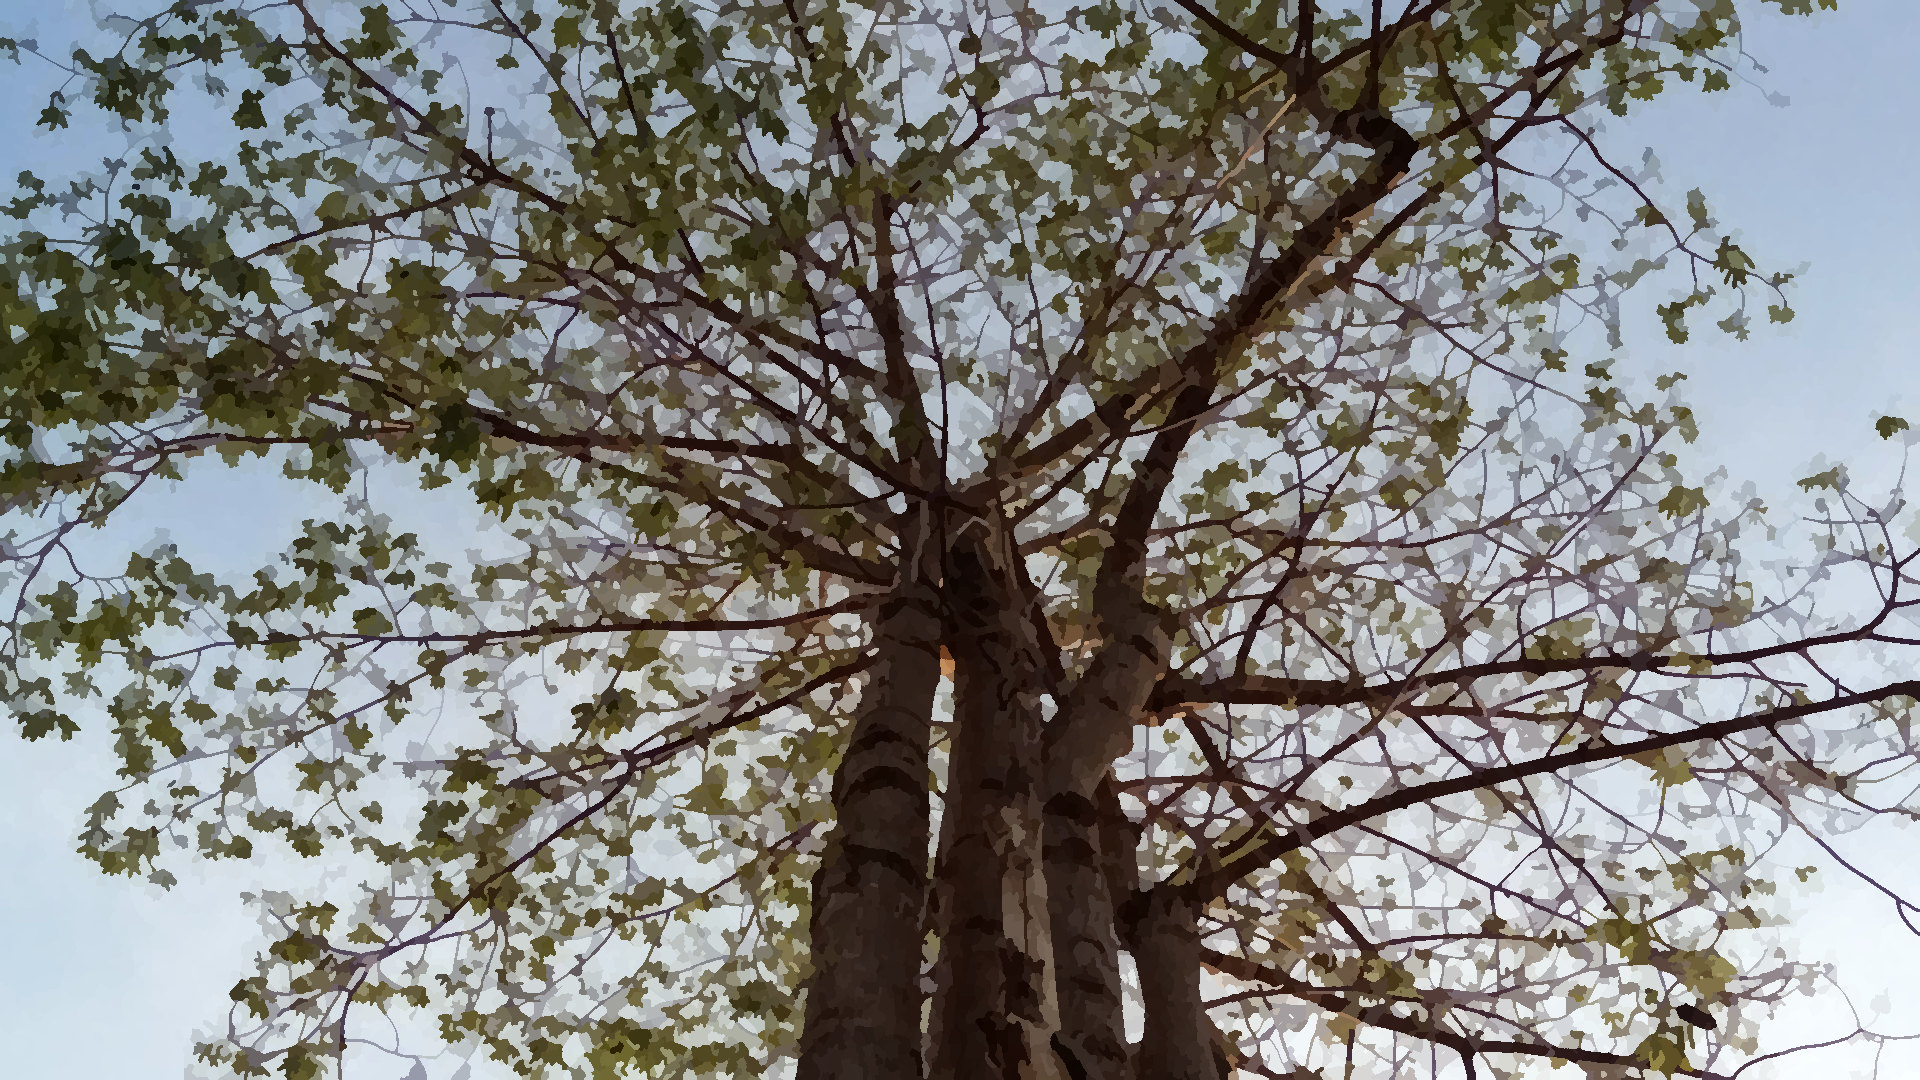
(1215, 883)
(1382, 1016)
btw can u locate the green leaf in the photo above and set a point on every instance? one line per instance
(1829, 479)
(1662, 1052)
(1681, 501)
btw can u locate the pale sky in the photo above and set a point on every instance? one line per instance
(102, 978)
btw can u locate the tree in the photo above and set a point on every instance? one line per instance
(1189, 383)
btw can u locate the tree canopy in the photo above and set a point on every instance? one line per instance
(1005, 516)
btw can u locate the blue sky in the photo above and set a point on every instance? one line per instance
(1826, 181)
(106, 979)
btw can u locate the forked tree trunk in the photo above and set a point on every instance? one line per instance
(863, 1000)
(994, 1010)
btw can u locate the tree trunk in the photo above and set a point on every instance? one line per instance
(863, 997)
(1089, 862)
(994, 1010)
(1179, 1041)
(1095, 725)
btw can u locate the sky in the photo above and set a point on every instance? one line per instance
(102, 978)
(1824, 180)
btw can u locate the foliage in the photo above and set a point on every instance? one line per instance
(683, 311)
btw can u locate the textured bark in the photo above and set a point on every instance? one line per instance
(994, 1009)
(1094, 726)
(1089, 862)
(863, 999)
(1178, 1041)
(1096, 721)
(1091, 1042)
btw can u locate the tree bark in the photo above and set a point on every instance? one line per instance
(1095, 725)
(1178, 1041)
(1089, 862)
(994, 1009)
(863, 997)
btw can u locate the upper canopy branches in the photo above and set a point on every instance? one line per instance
(1248, 326)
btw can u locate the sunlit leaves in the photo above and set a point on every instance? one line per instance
(624, 299)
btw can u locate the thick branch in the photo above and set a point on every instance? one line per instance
(1215, 883)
